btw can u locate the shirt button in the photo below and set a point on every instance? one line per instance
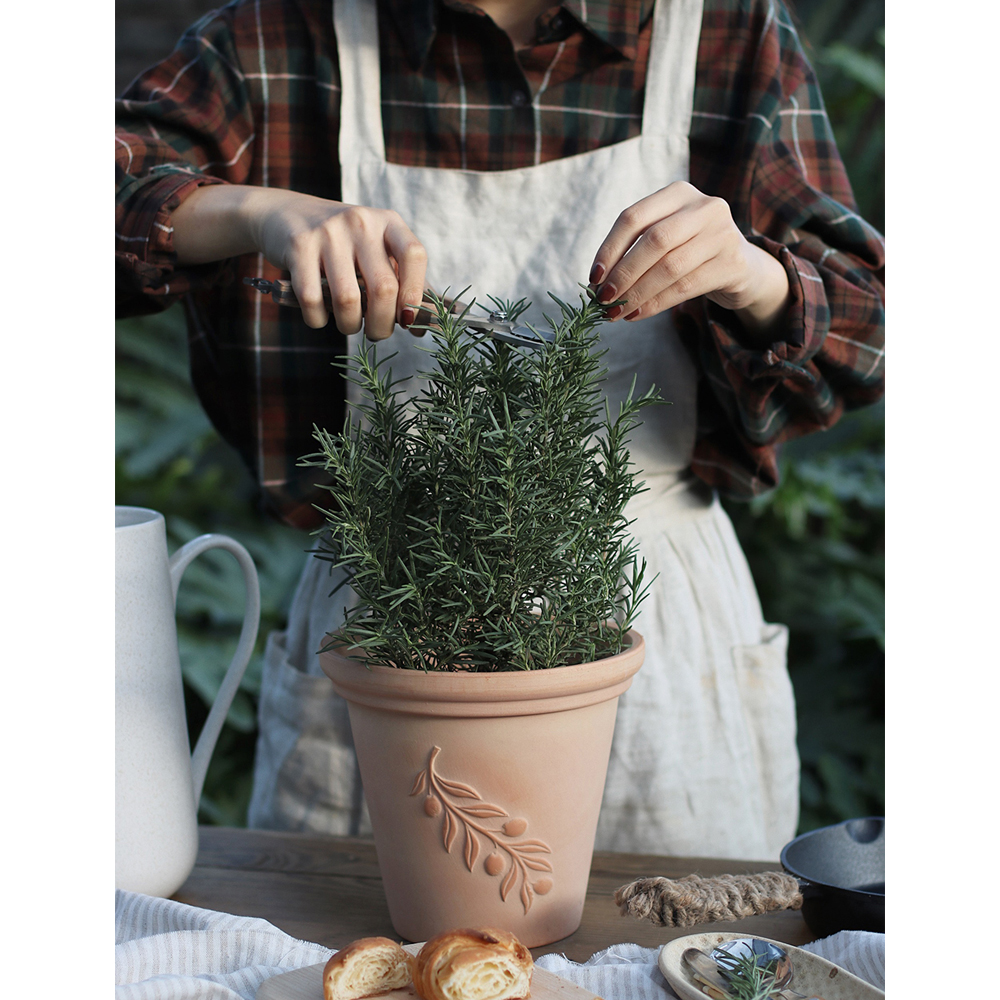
(519, 99)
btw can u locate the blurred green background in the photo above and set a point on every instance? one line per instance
(815, 544)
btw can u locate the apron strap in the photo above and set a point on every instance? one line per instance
(355, 24)
(670, 71)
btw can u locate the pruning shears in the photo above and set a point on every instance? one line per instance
(494, 325)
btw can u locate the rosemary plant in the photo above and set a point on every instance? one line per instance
(481, 520)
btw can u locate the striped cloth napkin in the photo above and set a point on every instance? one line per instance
(166, 950)
(171, 951)
(629, 972)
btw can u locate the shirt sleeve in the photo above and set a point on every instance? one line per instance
(184, 123)
(790, 196)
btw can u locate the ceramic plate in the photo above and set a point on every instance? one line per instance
(814, 976)
(307, 984)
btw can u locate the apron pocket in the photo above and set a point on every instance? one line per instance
(305, 772)
(769, 707)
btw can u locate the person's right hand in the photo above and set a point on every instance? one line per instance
(310, 238)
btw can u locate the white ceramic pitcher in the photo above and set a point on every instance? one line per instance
(158, 780)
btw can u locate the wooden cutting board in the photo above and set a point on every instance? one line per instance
(307, 984)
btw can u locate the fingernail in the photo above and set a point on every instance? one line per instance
(596, 273)
(608, 293)
(616, 312)
(408, 317)
(633, 314)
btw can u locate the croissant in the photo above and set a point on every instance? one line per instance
(473, 964)
(366, 968)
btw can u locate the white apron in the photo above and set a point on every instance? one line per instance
(703, 761)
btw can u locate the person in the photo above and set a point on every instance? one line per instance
(676, 155)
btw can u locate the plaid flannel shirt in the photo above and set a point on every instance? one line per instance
(250, 95)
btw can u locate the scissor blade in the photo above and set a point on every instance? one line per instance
(281, 292)
(517, 336)
(520, 336)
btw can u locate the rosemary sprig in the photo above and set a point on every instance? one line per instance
(747, 979)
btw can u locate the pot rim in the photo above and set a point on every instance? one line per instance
(508, 692)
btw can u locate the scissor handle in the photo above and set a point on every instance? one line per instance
(284, 295)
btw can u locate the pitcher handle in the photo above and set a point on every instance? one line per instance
(179, 562)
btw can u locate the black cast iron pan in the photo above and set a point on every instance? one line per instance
(841, 874)
(835, 874)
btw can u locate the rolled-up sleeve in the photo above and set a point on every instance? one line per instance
(791, 197)
(184, 123)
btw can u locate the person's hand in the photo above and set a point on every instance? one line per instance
(310, 238)
(677, 244)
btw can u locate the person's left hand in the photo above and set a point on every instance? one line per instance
(677, 244)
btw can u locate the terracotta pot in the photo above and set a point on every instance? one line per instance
(484, 789)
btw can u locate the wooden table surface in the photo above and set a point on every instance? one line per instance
(328, 890)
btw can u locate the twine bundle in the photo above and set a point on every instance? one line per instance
(693, 900)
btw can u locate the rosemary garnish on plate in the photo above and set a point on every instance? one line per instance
(747, 980)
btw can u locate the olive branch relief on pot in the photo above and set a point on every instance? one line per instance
(517, 856)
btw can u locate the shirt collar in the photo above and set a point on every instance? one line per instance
(614, 22)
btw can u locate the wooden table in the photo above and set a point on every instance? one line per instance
(328, 890)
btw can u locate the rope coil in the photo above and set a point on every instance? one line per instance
(693, 900)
